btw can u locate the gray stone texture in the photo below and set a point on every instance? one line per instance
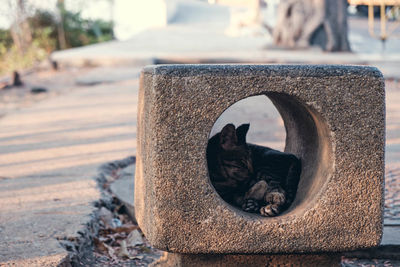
(124, 187)
(335, 122)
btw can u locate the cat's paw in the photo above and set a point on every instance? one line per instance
(270, 210)
(275, 197)
(257, 191)
(250, 205)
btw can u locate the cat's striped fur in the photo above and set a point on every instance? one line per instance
(255, 178)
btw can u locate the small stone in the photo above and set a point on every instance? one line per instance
(123, 251)
(106, 217)
(134, 239)
(116, 223)
(38, 90)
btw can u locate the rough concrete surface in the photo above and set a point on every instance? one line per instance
(339, 204)
(49, 155)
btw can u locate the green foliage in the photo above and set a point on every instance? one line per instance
(80, 32)
(44, 30)
(5, 41)
(14, 60)
(45, 39)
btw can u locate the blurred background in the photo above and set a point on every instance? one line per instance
(30, 30)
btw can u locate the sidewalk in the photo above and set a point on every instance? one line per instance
(171, 45)
(50, 154)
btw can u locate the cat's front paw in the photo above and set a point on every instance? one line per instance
(250, 205)
(270, 210)
(275, 197)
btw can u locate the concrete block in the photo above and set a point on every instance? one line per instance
(335, 122)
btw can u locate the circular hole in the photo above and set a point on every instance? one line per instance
(233, 172)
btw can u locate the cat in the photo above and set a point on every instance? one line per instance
(255, 178)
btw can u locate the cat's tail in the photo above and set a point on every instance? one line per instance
(292, 181)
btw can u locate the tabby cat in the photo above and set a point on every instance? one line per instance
(255, 178)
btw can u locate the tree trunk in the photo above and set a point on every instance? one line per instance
(304, 23)
(60, 26)
(112, 8)
(20, 30)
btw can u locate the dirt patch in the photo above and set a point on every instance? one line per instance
(112, 238)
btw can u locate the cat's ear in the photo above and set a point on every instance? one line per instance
(228, 138)
(241, 133)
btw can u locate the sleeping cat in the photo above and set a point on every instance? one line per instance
(255, 178)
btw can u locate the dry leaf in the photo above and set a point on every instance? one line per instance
(134, 238)
(106, 231)
(123, 251)
(144, 249)
(111, 252)
(125, 229)
(103, 248)
(100, 246)
(122, 229)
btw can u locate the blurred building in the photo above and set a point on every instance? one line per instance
(133, 16)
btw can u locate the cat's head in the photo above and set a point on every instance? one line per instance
(234, 152)
(231, 139)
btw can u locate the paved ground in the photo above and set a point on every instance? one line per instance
(49, 155)
(50, 150)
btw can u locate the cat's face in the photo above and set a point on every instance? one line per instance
(234, 154)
